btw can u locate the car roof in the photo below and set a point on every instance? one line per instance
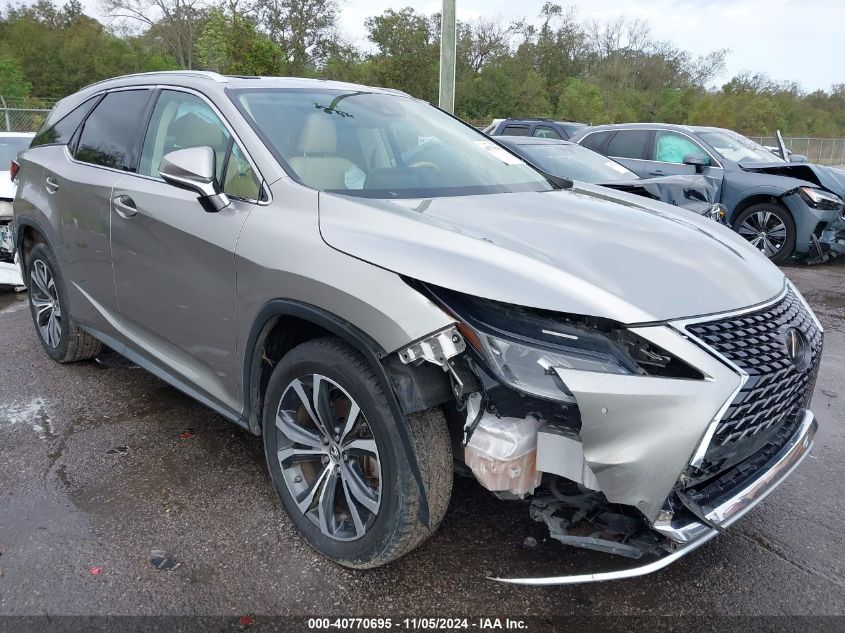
(532, 140)
(195, 78)
(540, 120)
(652, 126)
(207, 83)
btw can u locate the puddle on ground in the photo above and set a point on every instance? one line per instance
(14, 305)
(831, 300)
(32, 414)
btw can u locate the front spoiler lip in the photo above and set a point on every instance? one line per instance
(694, 534)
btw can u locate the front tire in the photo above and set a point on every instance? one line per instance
(62, 339)
(338, 464)
(770, 228)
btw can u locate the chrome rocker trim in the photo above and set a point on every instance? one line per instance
(693, 535)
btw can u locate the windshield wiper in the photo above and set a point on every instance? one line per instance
(557, 182)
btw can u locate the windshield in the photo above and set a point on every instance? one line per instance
(576, 163)
(9, 148)
(732, 146)
(381, 145)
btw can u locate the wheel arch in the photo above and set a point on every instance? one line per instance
(279, 327)
(760, 198)
(28, 233)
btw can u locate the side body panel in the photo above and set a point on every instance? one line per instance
(175, 277)
(281, 255)
(76, 202)
(27, 202)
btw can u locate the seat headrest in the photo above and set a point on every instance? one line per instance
(319, 135)
(192, 130)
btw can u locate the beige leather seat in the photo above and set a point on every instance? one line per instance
(318, 166)
(192, 130)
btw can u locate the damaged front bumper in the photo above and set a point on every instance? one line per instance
(648, 463)
(834, 236)
(691, 535)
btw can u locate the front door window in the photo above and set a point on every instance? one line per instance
(671, 147)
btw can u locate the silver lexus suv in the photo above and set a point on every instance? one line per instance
(389, 297)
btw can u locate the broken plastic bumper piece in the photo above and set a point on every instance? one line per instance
(693, 534)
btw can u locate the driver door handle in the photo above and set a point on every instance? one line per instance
(51, 185)
(657, 172)
(125, 206)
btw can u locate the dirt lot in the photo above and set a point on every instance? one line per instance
(101, 463)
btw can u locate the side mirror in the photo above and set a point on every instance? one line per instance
(193, 168)
(699, 161)
(797, 158)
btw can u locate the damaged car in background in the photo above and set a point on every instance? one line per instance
(387, 297)
(564, 159)
(788, 210)
(10, 144)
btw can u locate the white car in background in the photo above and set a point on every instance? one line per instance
(10, 144)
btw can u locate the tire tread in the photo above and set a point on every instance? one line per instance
(433, 448)
(80, 344)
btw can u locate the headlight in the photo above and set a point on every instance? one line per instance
(820, 199)
(528, 367)
(522, 346)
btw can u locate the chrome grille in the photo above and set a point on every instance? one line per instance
(776, 391)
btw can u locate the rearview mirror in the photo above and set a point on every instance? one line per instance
(193, 168)
(699, 161)
(797, 158)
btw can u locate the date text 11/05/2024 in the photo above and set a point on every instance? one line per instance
(414, 624)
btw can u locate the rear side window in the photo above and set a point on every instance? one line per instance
(628, 144)
(109, 133)
(63, 130)
(595, 141)
(515, 130)
(544, 131)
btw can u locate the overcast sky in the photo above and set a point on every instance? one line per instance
(796, 40)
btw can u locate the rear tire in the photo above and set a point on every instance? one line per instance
(770, 228)
(350, 491)
(62, 339)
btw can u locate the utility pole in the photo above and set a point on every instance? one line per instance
(448, 44)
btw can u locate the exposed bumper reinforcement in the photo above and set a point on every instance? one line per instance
(692, 535)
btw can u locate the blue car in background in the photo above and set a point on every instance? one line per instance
(788, 210)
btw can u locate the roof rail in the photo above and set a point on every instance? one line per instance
(204, 74)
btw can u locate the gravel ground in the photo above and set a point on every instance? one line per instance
(101, 463)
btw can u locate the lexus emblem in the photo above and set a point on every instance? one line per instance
(796, 346)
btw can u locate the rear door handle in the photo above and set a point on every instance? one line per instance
(51, 185)
(658, 172)
(125, 206)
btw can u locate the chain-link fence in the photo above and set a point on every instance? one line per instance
(822, 151)
(23, 116)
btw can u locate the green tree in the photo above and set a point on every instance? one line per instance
(304, 29)
(230, 43)
(13, 84)
(408, 52)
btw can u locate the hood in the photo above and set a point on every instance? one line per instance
(678, 190)
(586, 250)
(829, 178)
